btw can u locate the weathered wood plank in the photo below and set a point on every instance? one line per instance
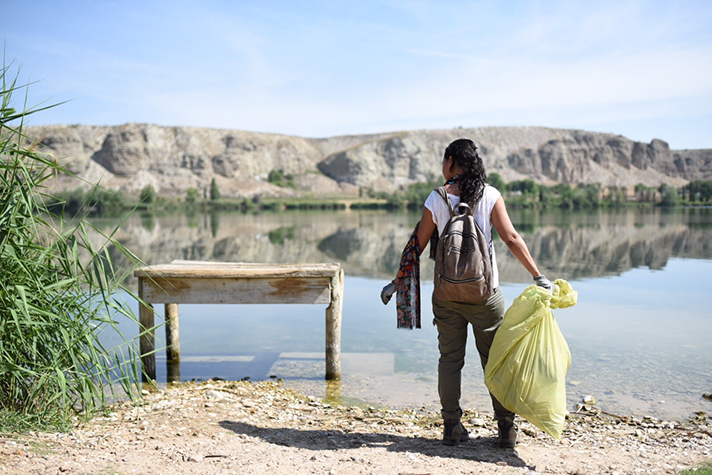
(291, 290)
(236, 270)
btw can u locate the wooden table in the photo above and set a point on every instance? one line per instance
(198, 282)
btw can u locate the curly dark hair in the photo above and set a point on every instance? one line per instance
(473, 179)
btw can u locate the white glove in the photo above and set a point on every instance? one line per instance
(388, 292)
(544, 283)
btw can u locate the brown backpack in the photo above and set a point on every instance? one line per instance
(463, 266)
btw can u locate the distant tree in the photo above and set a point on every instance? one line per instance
(279, 178)
(495, 179)
(103, 200)
(545, 196)
(415, 194)
(642, 192)
(669, 196)
(699, 190)
(565, 195)
(192, 195)
(74, 200)
(275, 176)
(147, 194)
(524, 186)
(214, 191)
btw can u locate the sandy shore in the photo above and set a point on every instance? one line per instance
(255, 428)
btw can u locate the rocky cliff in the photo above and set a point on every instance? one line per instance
(173, 159)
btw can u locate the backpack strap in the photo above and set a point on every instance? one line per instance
(442, 191)
(443, 194)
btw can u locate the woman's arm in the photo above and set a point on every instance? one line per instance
(426, 228)
(510, 236)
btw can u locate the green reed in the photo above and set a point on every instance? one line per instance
(57, 294)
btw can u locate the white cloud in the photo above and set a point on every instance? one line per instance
(315, 69)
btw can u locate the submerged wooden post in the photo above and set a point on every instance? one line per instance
(172, 343)
(147, 341)
(333, 327)
(172, 333)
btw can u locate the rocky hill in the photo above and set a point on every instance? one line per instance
(173, 159)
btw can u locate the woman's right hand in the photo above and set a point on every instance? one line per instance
(387, 292)
(544, 283)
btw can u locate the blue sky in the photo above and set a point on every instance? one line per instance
(642, 69)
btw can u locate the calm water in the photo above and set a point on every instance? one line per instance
(639, 335)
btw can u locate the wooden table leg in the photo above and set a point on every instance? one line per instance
(147, 340)
(172, 332)
(333, 328)
(172, 342)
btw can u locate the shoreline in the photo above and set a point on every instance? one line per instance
(263, 427)
(409, 391)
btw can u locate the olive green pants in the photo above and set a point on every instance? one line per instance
(452, 320)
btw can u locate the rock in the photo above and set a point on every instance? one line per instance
(174, 159)
(589, 400)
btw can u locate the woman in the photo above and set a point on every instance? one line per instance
(466, 181)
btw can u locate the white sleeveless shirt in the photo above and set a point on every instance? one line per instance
(482, 214)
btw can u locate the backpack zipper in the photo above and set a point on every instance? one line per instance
(453, 281)
(458, 249)
(469, 235)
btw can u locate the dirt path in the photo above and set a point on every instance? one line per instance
(255, 428)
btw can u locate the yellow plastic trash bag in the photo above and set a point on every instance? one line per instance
(528, 360)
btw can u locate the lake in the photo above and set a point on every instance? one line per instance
(639, 335)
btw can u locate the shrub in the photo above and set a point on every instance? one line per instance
(279, 178)
(192, 196)
(57, 294)
(670, 196)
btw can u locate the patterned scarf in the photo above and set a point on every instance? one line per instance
(408, 281)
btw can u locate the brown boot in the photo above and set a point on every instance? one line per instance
(507, 433)
(454, 432)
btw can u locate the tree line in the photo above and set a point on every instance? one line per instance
(524, 193)
(529, 194)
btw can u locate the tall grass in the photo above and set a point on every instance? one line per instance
(57, 294)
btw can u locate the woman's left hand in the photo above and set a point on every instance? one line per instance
(388, 292)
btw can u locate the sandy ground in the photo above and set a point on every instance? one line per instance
(255, 428)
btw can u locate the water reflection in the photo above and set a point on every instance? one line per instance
(639, 337)
(173, 371)
(368, 244)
